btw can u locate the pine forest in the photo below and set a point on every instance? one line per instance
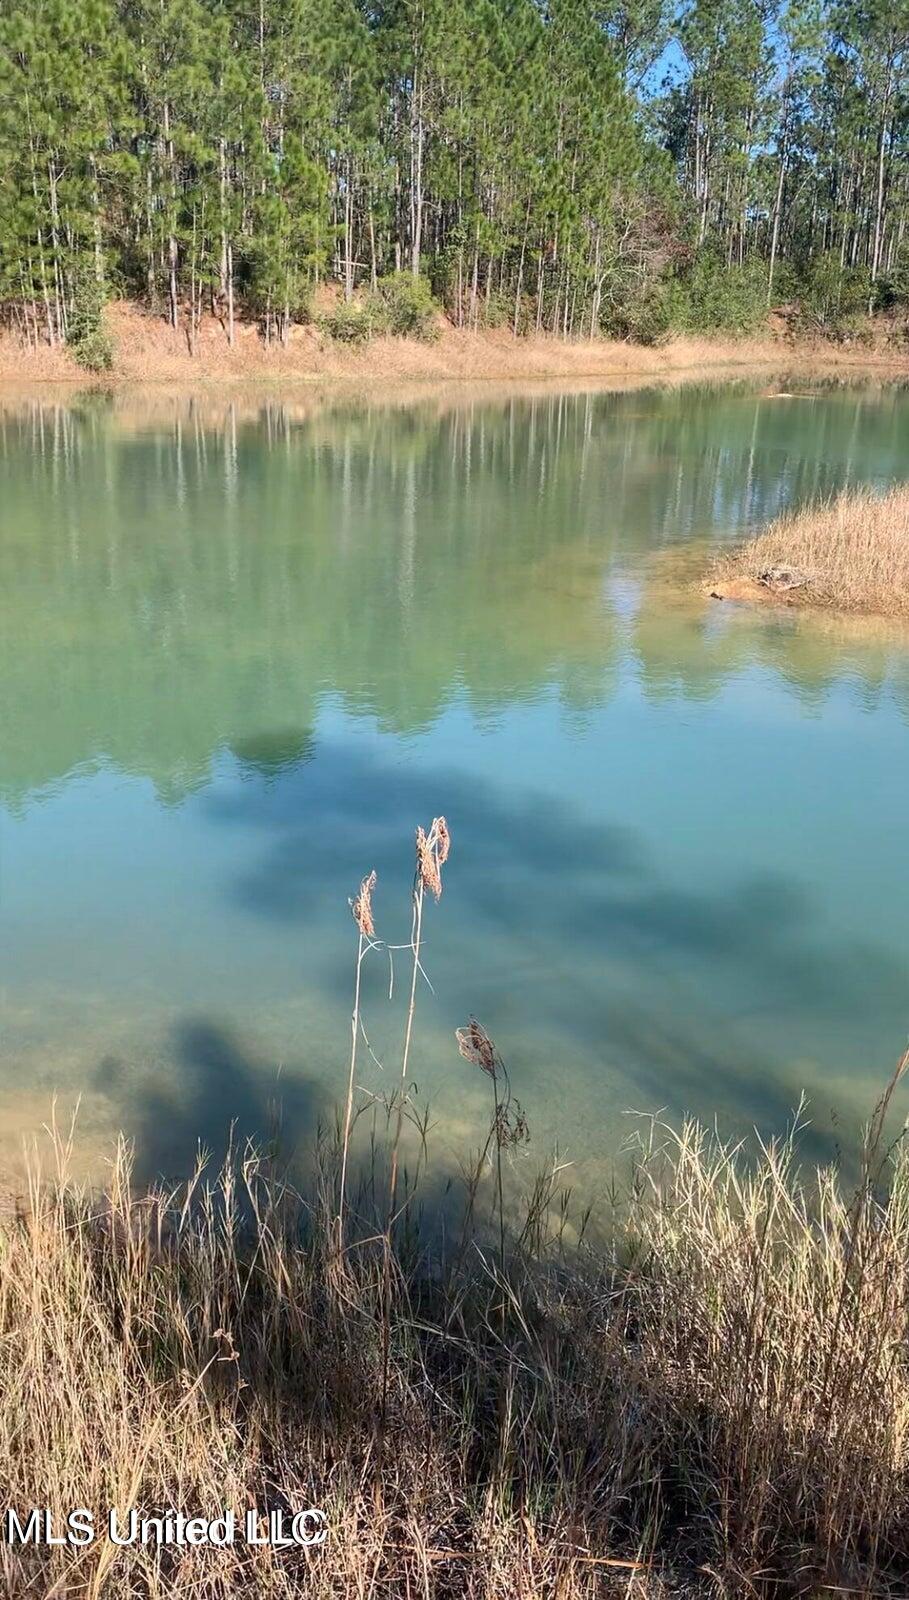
(560, 166)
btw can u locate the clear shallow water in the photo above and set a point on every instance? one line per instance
(246, 645)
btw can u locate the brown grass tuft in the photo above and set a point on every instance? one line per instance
(849, 554)
(362, 907)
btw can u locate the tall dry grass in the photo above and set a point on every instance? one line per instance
(715, 1400)
(710, 1396)
(853, 551)
(149, 350)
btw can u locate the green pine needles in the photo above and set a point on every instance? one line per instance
(86, 335)
(575, 169)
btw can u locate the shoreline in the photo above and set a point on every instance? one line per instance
(595, 1418)
(757, 597)
(844, 555)
(150, 352)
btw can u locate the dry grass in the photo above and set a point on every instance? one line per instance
(722, 1390)
(147, 349)
(853, 552)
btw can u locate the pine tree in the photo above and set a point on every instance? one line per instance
(522, 156)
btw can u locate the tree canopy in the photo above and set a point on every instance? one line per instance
(574, 166)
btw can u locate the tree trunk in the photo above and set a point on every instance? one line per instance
(777, 214)
(230, 294)
(348, 233)
(416, 176)
(520, 284)
(879, 187)
(171, 240)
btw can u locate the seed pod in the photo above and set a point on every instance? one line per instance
(362, 907)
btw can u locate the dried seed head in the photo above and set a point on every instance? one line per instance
(443, 839)
(476, 1046)
(362, 907)
(432, 853)
(511, 1126)
(427, 862)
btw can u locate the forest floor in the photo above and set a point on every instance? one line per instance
(147, 350)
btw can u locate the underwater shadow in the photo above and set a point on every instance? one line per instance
(225, 1096)
(544, 888)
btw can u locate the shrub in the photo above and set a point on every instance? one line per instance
(833, 300)
(406, 307)
(527, 316)
(497, 311)
(349, 322)
(892, 290)
(645, 317)
(95, 352)
(711, 297)
(86, 335)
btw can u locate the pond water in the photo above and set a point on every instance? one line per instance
(248, 642)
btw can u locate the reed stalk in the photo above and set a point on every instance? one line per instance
(361, 908)
(432, 850)
(416, 935)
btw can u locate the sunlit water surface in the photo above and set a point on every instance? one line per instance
(247, 644)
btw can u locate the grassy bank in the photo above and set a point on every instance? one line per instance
(849, 554)
(145, 349)
(714, 1399)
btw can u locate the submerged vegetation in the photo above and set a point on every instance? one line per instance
(629, 169)
(487, 1393)
(850, 553)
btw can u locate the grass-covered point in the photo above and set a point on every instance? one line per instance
(850, 554)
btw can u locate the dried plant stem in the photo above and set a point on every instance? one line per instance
(416, 933)
(497, 1135)
(348, 1110)
(509, 1125)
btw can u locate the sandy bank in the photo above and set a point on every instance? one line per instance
(148, 350)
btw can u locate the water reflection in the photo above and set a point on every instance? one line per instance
(246, 644)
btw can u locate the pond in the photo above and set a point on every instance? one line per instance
(250, 641)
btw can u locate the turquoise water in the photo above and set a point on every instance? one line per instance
(247, 644)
